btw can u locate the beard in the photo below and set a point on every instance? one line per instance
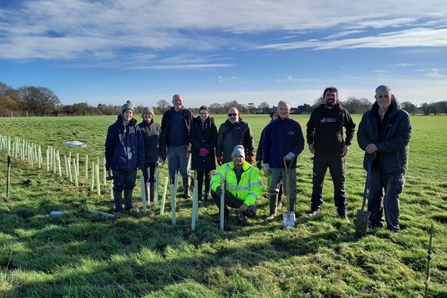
(330, 103)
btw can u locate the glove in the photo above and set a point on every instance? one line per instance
(219, 191)
(267, 169)
(219, 160)
(258, 165)
(289, 156)
(163, 160)
(203, 152)
(250, 159)
(107, 166)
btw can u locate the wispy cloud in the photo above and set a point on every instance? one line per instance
(417, 37)
(104, 30)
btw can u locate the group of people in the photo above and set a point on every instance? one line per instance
(383, 133)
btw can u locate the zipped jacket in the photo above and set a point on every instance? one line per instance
(392, 147)
(249, 188)
(324, 128)
(124, 146)
(281, 137)
(151, 137)
(166, 126)
(230, 135)
(203, 135)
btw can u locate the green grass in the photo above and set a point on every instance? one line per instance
(79, 254)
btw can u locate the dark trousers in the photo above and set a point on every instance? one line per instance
(392, 186)
(336, 165)
(149, 167)
(124, 179)
(200, 175)
(229, 200)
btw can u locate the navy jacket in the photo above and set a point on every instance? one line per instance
(166, 126)
(281, 137)
(124, 146)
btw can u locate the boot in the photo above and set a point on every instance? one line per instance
(273, 199)
(118, 199)
(128, 193)
(151, 192)
(186, 188)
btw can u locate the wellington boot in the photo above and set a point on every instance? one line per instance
(118, 200)
(128, 193)
(186, 194)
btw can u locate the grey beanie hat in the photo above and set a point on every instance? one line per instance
(238, 150)
(127, 106)
(147, 109)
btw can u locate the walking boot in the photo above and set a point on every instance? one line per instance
(118, 200)
(273, 199)
(128, 193)
(186, 194)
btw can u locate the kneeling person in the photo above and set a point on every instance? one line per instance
(242, 184)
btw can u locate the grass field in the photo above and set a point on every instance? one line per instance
(79, 254)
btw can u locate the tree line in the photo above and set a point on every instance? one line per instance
(42, 101)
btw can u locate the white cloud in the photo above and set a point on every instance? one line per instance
(101, 29)
(417, 37)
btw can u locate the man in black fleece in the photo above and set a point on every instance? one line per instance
(325, 140)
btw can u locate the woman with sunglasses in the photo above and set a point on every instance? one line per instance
(203, 139)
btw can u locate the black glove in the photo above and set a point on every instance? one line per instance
(259, 165)
(219, 191)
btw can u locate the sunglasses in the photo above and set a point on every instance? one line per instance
(232, 114)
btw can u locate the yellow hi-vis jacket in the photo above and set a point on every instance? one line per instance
(249, 188)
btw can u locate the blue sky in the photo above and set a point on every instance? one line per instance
(251, 51)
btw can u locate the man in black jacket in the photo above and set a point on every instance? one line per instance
(233, 132)
(175, 127)
(325, 140)
(384, 133)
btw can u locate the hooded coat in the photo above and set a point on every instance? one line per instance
(124, 147)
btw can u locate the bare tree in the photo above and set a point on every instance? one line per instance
(216, 108)
(40, 100)
(408, 106)
(163, 106)
(264, 107)
(425, 109)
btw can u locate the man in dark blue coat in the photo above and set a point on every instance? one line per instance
(384, 133)
(283, 139)
(124, 155)
(176, 127)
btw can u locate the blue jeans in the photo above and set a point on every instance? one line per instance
(177, 160)
(391, 186)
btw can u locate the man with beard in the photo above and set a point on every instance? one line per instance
(232, 132)
(325, 140)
